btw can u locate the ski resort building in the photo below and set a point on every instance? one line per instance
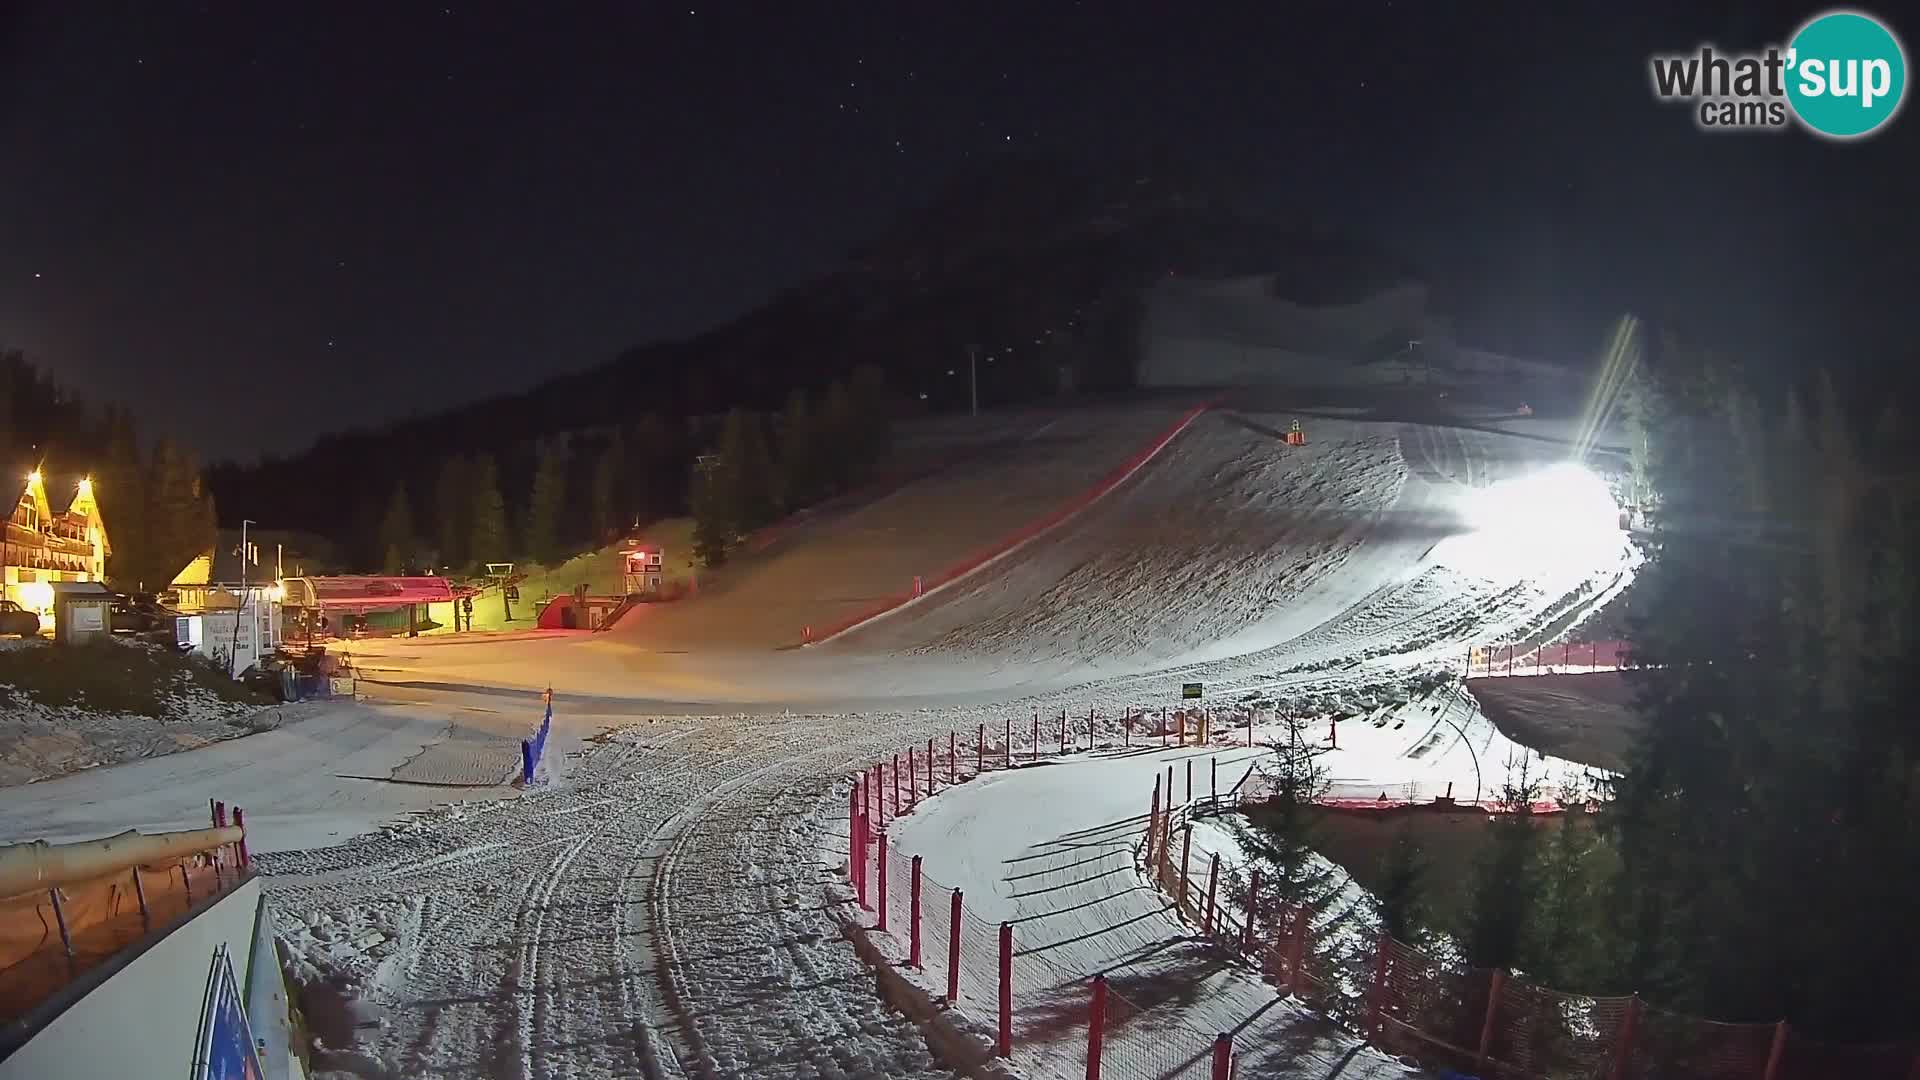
(42, 546)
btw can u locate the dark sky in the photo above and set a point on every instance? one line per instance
(255, 222)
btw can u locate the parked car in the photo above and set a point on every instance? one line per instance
(17, 620)
(141, 616)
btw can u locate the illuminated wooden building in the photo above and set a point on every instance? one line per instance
(42, 546)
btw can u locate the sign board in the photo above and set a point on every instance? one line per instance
(88, 617)
(1190, 690)
(226, 1041)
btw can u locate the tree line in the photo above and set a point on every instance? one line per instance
(153, 497)
(572, 491)
(1758, 858)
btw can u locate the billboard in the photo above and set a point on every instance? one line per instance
(226, 1041)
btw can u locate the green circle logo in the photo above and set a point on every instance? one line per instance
(1846, 74)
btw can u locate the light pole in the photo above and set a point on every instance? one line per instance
(240, 610)
(973, 377)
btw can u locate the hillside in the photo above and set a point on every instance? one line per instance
(1038, 263)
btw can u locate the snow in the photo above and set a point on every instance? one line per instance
(1586, 716)
(1052, 850)
(661, 907)
(40, 741)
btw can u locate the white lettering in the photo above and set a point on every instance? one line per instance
(1878, 81)
(1813, 77)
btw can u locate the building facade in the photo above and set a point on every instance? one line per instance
(42, 546)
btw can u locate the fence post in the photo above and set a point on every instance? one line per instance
(853, 822)
(1164, 730)
(140, 894)
(953, 950)
(1189, 781)
(1090, 719)
(1181, 727)
(1223, 1056)
(1378, 990)
(1126, 729)
(1623, 1043)
(1153, 819)
(1186, 855)
(1213, 880)
(1004, 1045)
(881, 893)
(1252, 715)
(913, 916)
(1253, 912)
(1776, 1052)
(953, 766)
(1063, 731)
(1333, 733)
(240, 822)
(980, 751)
(871, 789)
(1213, 781)
(1096, 1022)
(1009, 742)
(1494, 986)
(1169, 787)
(1036, 736)
(860, 866)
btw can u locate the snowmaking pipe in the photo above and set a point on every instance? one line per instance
(38, 865)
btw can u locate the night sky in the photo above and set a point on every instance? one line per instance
(259, 222)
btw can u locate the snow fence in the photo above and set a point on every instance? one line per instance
(1484, 1021)
(1563, 658)
(923, 585)
(1024, 1004)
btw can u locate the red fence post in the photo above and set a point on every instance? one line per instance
(240, 822)
(853, 820)
(1153, 818)
(953, 767)
(1223, 1056)
(953, 950)
(219, 814)
(1091, 713)
(1213, 781)
(1009, 742)
(1004, 1045)
(1036, 735)
(1213, 880)
(1189, 780)
(980, 751)
(1497, 984)
(1096, 1023)
(1169, 787)
(859, 873)
(882, 892)
(1063, 731)
(1378, 991)
(1777, 1052)
(1623, 1043)
(1165, 731)
(1253, 912)
(913, 916)
(1186, 854)
(1180, 727)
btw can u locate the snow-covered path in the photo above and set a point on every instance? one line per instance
(1051, 849)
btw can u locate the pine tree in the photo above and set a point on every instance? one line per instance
(397, 538)
(1281, 832)
(1558, 948)
(179, 517)
(799, 453)
(123, 494)
(1505, 876)
(1400, 901)
(608, 511)
(453, 511)
(750, 483)
(490, 542)
(545, 501)
(841, 441)
(713, 528)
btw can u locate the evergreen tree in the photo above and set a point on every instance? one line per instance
(179, 515)
(874, 435)
(122, 493)
(841, 440)
(1505, 876)
(713, 528)
(750, 480)
(609, 512)
(397, 538)
(453, 510)
(1400, 902)
(1558, 945)
(545, 501)
(799, 453)
(490, 542)
(1280, 833)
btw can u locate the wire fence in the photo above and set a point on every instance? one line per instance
(1561, 658)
